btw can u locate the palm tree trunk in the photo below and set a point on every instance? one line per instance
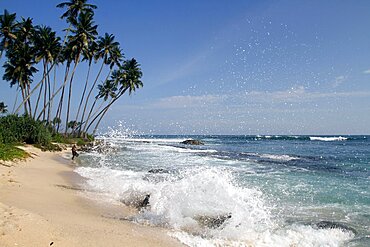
(25, 102)
(54, 84)
(28, 89)
(106, 108)
(55, 61)
(89, 95)
(56, 93)
(84, 91)
(70, 90)
(49, 96)
(97, 124)
(15, 101)
(88, 117)
(38, 99)
(45, 93)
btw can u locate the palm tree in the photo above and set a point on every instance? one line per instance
(19, 67)
(3, 107)
(110, 53)
(85, 32)
(19, 71)
(74, 8)
(127, 78)
(47, 46)
(8, 26)
(88, 55)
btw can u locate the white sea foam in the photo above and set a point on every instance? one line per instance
(296, 235)
(283, 157)
(200, 187)
(176, 204)
(327, 139)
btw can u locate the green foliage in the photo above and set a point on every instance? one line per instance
(3, 108)
(10, 152)
(81, 142)
(19, 129)
(59, 138)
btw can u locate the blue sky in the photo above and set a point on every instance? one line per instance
(234, 67)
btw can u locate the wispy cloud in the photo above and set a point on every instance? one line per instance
(299, 94)
(293, 95)
(366, 71)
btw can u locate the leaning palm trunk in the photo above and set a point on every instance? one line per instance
(45, 93)
(28, 89)
(70, 91)
(84, 91)
(49, 96)
(88, 116)
(88, 97)
(106, 107)
(97, 124)
(25, 102)
(15, 101)
(38, 84)
(42, 86)
(38, 99)
(54, 83)
(56, 93)
(60, 105)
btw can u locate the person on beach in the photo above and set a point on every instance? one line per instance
(74, 152)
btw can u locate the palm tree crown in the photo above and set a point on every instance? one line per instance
(74, 8)
(7, 29)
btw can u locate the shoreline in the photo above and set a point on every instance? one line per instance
(42, 204)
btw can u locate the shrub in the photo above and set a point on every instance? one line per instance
(16, 129)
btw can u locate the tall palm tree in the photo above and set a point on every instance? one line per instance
(127, 78)
(74, 8)
(110, 53)
(47, 46)
(8, 26)
(19, 70)
(84, 32)
(88, 55)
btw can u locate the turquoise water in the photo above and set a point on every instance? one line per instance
(276, 189)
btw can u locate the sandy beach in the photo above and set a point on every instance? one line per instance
(41, 204)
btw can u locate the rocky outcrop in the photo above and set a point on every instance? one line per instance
(335, 225)
(192, 142)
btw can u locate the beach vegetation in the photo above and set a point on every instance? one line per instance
(3, 108)
(10, 152)
(41, 65)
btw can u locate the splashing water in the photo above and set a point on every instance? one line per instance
(221, 195)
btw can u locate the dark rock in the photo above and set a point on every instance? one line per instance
(335, 225)
(192, 142)
(158, 170)
(213, 221)
(145, 202)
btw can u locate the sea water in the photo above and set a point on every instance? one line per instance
(240, 190)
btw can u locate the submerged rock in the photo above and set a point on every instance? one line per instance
(212, 221)
(192, 142)
(335, 225)
(158, 170)
(145, 202)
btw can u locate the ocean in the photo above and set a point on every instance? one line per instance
(239, 190)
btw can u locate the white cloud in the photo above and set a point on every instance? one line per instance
(366, 71)
(298, 94)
